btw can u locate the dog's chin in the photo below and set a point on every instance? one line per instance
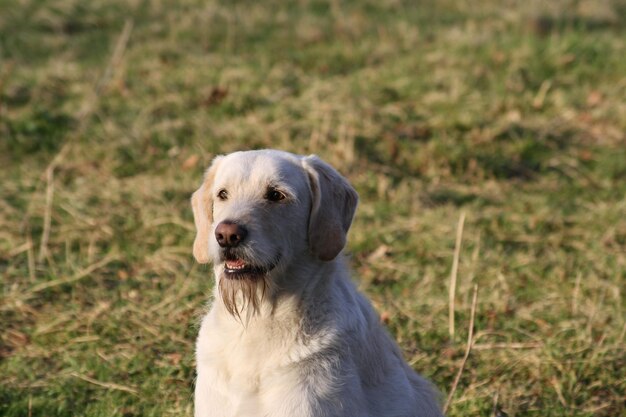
(242, 284)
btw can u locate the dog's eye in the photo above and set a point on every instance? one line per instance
(222, 195)
(274, 195)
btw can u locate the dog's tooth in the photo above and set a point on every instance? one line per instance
(235, 266)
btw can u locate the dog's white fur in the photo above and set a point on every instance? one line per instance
(314, 347)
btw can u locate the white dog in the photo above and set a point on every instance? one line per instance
(288, 335)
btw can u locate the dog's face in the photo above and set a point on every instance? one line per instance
(260, 213)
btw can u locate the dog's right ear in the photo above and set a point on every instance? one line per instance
(202, 205)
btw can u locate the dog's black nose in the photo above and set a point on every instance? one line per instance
(230, 234)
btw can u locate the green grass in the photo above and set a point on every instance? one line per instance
(512, 115)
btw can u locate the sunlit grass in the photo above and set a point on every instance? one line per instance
(511, 114)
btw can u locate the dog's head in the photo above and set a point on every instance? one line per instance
(260, 214)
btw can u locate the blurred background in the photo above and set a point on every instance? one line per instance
(486, 140)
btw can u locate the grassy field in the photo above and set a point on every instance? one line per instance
(510, 115)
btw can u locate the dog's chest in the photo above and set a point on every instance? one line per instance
(241, 361)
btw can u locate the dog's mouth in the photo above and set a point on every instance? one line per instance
(236, 267)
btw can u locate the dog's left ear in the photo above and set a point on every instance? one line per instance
(202, 205)
(332, 210)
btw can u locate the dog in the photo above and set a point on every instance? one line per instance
(288, 334)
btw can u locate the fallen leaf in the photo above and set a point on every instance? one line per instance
(380, 252)
(594, 98)
(384, 317)
(174, 358)
(190, 162)
(216, 96)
